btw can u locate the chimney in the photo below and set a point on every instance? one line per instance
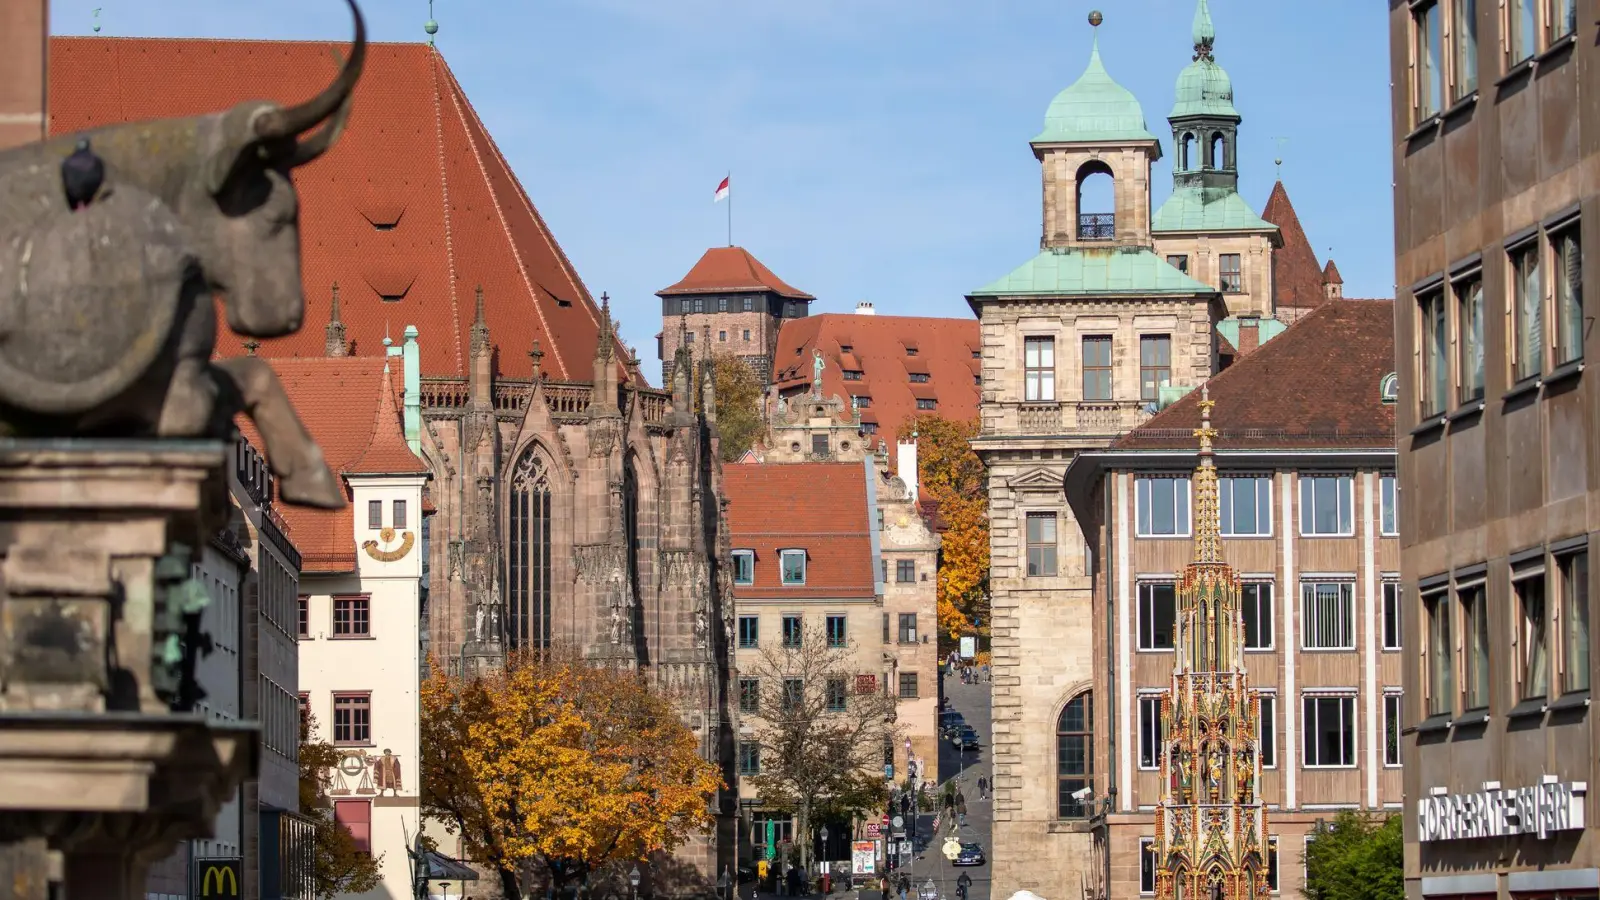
(412, 357)
(906, 463)
(24, 36)
(864, 308)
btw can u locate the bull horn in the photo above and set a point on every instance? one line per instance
(298, 119)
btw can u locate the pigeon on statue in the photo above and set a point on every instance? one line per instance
(81, 176)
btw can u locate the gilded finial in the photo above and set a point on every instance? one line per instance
(1207, 506)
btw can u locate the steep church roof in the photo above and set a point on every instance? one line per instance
(412, 208)
(1296, 275)
(724, 270)
(1094, 108)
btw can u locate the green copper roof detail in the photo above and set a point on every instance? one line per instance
(1204, 88)
(1266, 329)
(1097, 272)
(1094, 108)
(1189, 209)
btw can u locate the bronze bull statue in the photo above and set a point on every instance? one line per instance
(107, 322)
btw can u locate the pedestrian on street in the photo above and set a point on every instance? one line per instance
(904, 886)
(983, 787)
(961, 800)
(963, 884)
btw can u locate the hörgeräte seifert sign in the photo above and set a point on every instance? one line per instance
(1548, 806)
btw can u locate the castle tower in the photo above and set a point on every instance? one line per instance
(1211, 829)
(1205, 228)
(730, 303)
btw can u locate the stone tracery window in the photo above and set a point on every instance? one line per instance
(529, 557)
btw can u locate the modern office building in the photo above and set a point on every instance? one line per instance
(1494, 143)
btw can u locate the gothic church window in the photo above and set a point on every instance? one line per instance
(529, 582)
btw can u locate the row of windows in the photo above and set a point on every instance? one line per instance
(1039, 367)
(352, 617)
(722, 336)
(905, 571)
(1451, 316)
(835, 699)
(1327, 504)
(1230, 270)
(1444, 45)
(1549, 625)
(397, 520)
(791, 567)
(280, 717)
(276, 586)
(836, 630)
(1327, 615)
(1328, 720)
(684, 306)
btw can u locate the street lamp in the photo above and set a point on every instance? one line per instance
(823, 858)
(633, 879)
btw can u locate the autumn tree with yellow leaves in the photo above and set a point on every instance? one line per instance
(557, 761)
(951, 474)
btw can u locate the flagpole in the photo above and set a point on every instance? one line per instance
(730, 207)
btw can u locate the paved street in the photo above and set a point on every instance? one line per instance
(972, 701)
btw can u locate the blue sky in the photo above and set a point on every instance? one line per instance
(878, 147)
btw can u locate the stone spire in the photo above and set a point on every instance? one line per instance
(1207, 506)
(480, 326)
(335, 342)
(603, 388)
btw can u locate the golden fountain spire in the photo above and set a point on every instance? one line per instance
(1207, 508)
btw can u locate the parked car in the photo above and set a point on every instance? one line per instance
(965, 737)
(970, 855)
(949, 721)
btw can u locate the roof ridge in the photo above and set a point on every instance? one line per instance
(435, 61)
(228, 40)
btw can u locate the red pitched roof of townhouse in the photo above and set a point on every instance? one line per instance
(1296, 275)
(348, 404)
(1315, 385)
(817, 507)
(879, 347)
(728, 269)
(413, 208)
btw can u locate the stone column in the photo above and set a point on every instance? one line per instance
(99, 627)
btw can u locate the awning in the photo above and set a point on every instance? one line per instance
(443, 868)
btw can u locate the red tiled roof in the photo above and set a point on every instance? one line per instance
(726, 269)
(878, 344)
(1314, 385)
(817, 507)
(1330, 274)
(340, 400)
(1296, 274)
(415, 203)
(387, 452)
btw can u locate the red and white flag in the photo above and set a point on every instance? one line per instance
(722, 191)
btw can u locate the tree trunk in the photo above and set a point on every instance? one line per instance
(510, 885)
(805, 840)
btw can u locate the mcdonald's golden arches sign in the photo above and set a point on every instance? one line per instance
(217, 877)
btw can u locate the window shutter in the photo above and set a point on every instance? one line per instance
(355, 816)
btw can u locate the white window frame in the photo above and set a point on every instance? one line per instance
(1347, 595)
(1269, 738)
(1391, 594)
(1147, 857)
(1263, 502)
(783, 567)
(1388, 505)
(1182, 506)
(1270, 633)
(1141, 609)
(1150, 705)
(1345, 502)
(744, 554)
(1039, 374)
(1351, 721)
(1393, 720)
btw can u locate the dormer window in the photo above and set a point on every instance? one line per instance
(911, 350)
(744, 567)
(792, 566)
(919, 377)
(847, 348)
(852, 374)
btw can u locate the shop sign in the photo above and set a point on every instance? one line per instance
(1548, 806)
(864, 857)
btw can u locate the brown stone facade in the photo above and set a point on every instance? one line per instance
(1495, 151)
(587, 515)
(24, 25)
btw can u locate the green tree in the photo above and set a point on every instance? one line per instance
(739, 392)
(1358, 857)
(338, 865)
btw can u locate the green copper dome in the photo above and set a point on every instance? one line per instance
(1204, 88)
(1094, 108)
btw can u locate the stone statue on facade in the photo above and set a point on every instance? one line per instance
(816, 373)
(106, 311)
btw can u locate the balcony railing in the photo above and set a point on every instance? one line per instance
(1088, 417)
(1097, 226)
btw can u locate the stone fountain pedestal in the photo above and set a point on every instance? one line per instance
(94, 762)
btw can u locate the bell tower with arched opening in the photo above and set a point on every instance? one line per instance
(1205, 126)
(1095, 152)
